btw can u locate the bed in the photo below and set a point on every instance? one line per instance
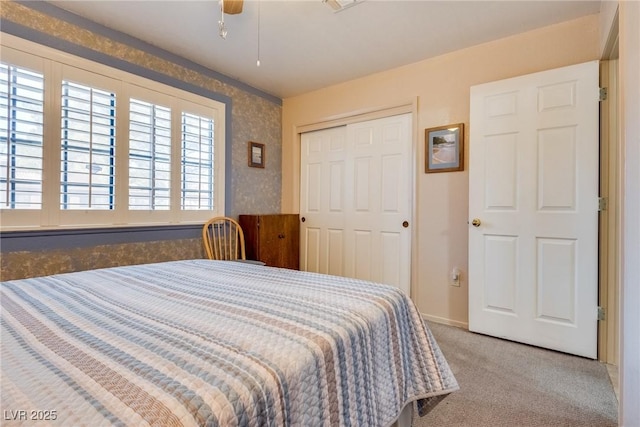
(201, 342)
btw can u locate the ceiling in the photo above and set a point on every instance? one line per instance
(304, 45)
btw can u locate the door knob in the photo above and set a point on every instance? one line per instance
(476, 222)
(405, 224)
(303, 219)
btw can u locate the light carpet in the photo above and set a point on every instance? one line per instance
(503, 383)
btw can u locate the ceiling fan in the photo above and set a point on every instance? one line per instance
(232, 7)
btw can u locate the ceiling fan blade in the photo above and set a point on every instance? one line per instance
(232, 7)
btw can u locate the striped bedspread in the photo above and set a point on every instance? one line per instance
(215, 343)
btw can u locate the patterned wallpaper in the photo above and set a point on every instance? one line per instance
(24, 264)
(253, 118)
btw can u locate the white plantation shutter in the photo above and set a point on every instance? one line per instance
(86, 145)
(149, 156)
(197, 163)
(87, 162)
(21, 137)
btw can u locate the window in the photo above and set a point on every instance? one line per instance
(197, 163)
(85, 145)
(149, 155)
(87, 168)
(21, 137)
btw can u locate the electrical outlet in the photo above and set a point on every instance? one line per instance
(455, 276)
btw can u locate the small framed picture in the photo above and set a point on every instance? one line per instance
(256, 155)
(444, 148)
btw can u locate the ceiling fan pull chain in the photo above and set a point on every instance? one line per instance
(222, 30)
(258, 61)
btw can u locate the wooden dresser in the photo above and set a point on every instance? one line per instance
(272, 239)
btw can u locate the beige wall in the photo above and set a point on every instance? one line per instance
(441, 86)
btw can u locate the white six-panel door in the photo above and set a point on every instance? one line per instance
(356, 201)
(323, 207)
(533, 209)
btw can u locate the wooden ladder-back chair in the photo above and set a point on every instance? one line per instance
(223, 239)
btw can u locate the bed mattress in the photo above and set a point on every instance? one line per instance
(202, 342)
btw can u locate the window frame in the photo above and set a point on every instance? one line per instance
(79, 217)
(152, 155)
(25, 217)
(57, 66)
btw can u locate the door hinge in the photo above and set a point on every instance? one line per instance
(603, 94)
(601, 313)
(602, 204)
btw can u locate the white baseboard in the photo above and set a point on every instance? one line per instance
(444, 321)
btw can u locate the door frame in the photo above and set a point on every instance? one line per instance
(610, 219)
(408, 107)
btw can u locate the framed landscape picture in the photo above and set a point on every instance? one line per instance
(256, 155)
(444, 148)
